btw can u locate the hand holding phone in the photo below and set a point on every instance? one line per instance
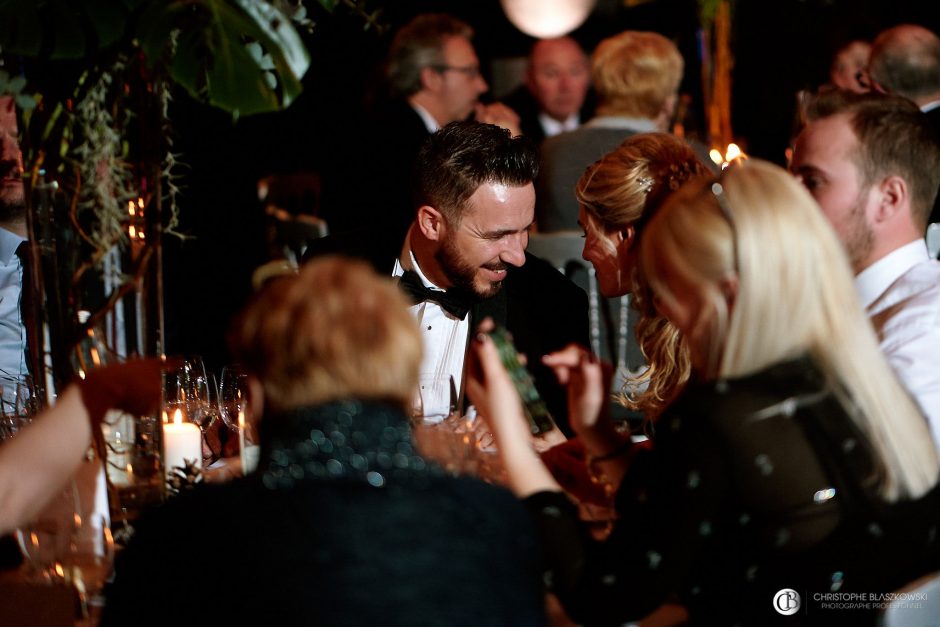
(540, 420)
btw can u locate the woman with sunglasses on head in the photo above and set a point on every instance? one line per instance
(792, 472)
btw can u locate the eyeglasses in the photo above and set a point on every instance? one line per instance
(718, 191)
(470, 71)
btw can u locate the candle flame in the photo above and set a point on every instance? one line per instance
(166, 418)
(77, 520)
(131, 209)
(59, 570)
(715, 155)
(733, 152)
(241, 419)
(130, 469)
(178, 416)
(132, 231)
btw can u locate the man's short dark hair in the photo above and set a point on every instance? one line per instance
(895, 138)
(456, 160)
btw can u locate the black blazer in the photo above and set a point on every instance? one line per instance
(542, 309)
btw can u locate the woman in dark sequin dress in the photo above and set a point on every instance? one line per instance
(793, 481)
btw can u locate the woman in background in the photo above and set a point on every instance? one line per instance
(793, 460)
(618, 195)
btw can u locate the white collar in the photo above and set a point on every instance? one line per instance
(930, 106)
(9, 242)
(399, 270)
(429, 122)
(872, 282)
(553, 127)
(641, 125)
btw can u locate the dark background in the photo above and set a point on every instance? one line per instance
(780, 47)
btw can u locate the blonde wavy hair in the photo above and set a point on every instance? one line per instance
(771, 227)
(335, 330)
(635, 73)
(623, 189)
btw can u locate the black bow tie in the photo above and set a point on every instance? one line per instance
(455, 301)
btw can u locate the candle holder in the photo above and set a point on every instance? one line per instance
(133, 458)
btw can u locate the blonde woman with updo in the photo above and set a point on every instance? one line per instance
(618, 195)
(792, 472)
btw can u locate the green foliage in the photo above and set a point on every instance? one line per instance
(200, 44)
(14, 87)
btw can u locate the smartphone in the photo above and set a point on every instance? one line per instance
(540, 420)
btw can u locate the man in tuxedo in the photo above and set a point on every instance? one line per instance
(552, 98)
(433, 77)
(871, 162)
(463, 257)
(905, 60)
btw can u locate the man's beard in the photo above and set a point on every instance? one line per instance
(859, 238)
(461, 274)
(12, 201)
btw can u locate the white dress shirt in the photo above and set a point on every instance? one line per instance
(901, 294)
(553, 127)
(12, 331)
(445, 345)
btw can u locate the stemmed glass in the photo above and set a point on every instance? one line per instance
(189, 389)
(233, 405)
(89, 556)
(18, 404)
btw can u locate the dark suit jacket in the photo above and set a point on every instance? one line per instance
(524, 104)
(370, 183)
(542, 309)
(934, 116)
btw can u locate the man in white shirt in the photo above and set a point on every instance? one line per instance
(871, 162)
(12, 234)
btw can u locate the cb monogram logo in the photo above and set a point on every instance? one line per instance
(787, 602)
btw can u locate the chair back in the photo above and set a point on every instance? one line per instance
(611, 321)
(563, 249)
(933, 239)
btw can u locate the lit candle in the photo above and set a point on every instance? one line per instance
(181, 441)
(241, 441)
(248, 452)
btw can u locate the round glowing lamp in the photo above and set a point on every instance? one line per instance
(547, 18)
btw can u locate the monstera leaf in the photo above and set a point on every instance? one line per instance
(210, 47)
(205, 46)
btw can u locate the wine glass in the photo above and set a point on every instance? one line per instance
(233, 394)
(18, 404)
(233, 405)
(89, 556)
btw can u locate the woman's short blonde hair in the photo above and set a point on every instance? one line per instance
(795, 295)
(624, 189)
(634, 74)
(335, 330)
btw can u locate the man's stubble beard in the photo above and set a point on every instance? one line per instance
(460, 273)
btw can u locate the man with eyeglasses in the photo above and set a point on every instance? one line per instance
(434, 78)
(872, 163)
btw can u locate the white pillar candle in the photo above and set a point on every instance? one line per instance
(181, 441)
